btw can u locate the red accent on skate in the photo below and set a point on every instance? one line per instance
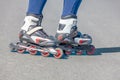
(45, 54)
(37, 40)
(21, 51)
(59, 53)
(92, 51)
(31, 51)
(60, 37)
(81, 41)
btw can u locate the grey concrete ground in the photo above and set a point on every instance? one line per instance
(99, 18)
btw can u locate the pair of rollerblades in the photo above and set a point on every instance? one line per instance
(33, 39)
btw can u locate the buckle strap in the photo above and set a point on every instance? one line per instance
(34, 30)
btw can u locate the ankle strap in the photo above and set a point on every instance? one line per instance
(34, 30)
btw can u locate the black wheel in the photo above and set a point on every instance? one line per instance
(68, 52)
(91, 51)
(79, 52)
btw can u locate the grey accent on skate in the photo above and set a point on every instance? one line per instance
(27, 38)
(37, 16)
(40, 17)
(34, 30)
(99, 18)
(69, 16)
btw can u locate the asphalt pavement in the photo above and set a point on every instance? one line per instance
(99, 18)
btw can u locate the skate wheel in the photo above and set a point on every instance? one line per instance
(31, 51)
(59, 53)
(68, 52)
(91, 50)
(79, 52)
(45, 54)
(21, 51)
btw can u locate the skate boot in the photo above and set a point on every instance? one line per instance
(70, 38)
(33, 32)
(33, 39)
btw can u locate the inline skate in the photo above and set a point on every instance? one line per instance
(71, 40)
(33, 39)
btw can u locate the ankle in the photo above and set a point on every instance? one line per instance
(31, 21)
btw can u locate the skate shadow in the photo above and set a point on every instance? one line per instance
(108, 50)
(100, 51)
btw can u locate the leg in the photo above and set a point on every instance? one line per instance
(67, 30)
(34, 14)
(32, 30)
(71, 7)
(68, 22)
(36, 6)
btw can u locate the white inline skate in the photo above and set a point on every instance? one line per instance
(32, 38)
(70, 39)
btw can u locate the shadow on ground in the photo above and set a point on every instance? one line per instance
(99, 51)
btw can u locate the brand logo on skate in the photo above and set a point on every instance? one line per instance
(38, 40)
(82, 41)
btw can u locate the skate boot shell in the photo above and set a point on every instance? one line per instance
(70, 39)
(33, 39)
